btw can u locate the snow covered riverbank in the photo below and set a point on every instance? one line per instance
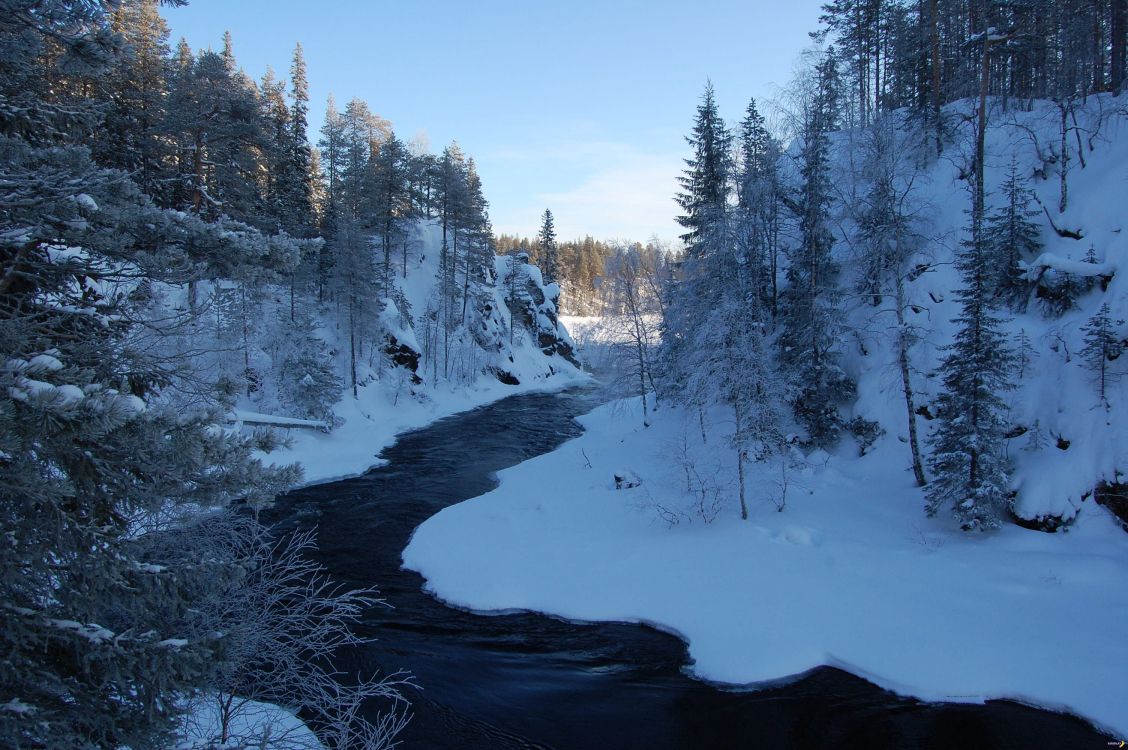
(849, 574)
(372, 421)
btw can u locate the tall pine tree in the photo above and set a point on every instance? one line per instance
(968, 458)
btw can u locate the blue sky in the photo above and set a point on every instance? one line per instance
(581, 107)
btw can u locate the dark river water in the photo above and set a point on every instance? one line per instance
(529, 681)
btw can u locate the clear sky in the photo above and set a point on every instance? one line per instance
(578, 106)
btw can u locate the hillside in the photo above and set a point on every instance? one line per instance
(1063, 438)
(512, 342)
(837, 563)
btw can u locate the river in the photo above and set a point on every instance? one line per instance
(529, 681)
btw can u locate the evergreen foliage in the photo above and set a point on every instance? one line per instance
(1103, 346)
(968, 458)
(809, 317)
(705, 183)
(1010, 235)
(546, 245)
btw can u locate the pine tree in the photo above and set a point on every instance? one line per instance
(810, 302)
(758, 201)
(331, 147)
(297, 169)
(391, 203)
(1102, 347)
(968, 458)
(1010, 235)
(705, 181)
(136, 91)
(547, 250)
(99, 628)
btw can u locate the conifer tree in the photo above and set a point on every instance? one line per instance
(1102, 347)
(331, 147)
(758, 199)
(705, 182)
(546, 244)
(968, 459)
(98, 626)
(1011, 235)
(297, 166)
(810, 302)
(133, 137)
(391, 203)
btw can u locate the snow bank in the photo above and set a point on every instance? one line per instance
(254, 724)
(850, 574)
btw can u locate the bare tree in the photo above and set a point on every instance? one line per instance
(886, 239)
(283, 620)
(632, 275)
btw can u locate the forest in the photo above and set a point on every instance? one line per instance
(913, 253)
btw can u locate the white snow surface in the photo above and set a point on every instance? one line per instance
(255, 724)
(849, 574)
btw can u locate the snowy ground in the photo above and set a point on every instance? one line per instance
(253, 724)
(849, 574)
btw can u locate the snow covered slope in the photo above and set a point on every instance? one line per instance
(423, 372)
(838, 563)
(1065, 440)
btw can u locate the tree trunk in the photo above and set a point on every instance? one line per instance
(906, 383)
(981, 136)
(352, 343)
(934, 30)
(1063, 200)
(1119, 42)
(738, 416)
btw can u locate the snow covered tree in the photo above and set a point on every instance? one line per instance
(968, 460)
(631, 273)
(97, 459)
(1010, 235)
(810, 313)
(887, 239)
(331, 146)
(391, 205)
(705, 183)
(296, 180)
(547, 250)
(1102, 347)
(136, 93)
(758, 201)
(356, 282)
(284, 619)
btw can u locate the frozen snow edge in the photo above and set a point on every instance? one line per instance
(756, 606)
(895, 687)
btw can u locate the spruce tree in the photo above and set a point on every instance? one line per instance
(1102, 347)
(547, 250)
(758, 203)
(99, 627)
(1010, 235)
(332, 161)
(810, 303)
(705, 182)
(968, 457)
(297, 177)
(390, 202)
